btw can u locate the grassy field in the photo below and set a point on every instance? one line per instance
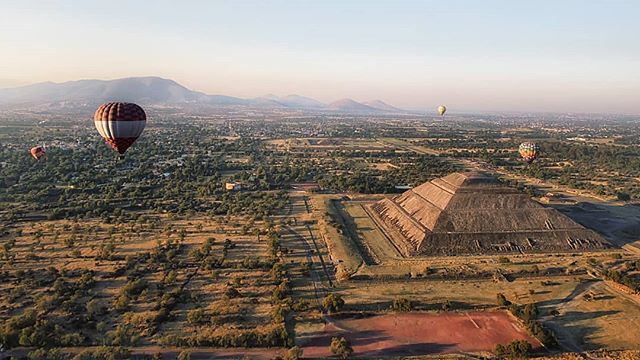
(142, 283)
(600, 317)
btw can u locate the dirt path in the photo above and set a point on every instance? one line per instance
(315, 276)
(320, 277)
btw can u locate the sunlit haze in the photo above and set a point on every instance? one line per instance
(570, 56)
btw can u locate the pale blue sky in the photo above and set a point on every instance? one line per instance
(556, 55)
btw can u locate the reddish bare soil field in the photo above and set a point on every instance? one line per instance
(404, 334)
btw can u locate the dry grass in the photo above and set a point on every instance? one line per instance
(68, 246)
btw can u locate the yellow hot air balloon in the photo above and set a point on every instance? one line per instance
(441, 110)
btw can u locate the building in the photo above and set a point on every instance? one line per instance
(233, 186)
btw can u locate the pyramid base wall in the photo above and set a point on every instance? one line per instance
(450, 244)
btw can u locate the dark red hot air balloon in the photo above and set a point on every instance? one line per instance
(120, 124)
(37, 152)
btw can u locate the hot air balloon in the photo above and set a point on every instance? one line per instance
(441, 110)
(529, 151)
(120, 124)
(37, 152)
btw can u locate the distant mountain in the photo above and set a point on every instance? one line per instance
(381, 105)
(159, 91)
(146, 90)
(351, 105)
(292, 101)
(302, 101)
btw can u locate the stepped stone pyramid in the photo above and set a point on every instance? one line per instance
(472, 213)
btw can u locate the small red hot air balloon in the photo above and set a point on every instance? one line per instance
(37, 152)
(120, 124)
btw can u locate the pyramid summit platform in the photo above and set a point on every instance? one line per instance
(472, 213)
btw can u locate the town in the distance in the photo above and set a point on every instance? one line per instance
(140, 219)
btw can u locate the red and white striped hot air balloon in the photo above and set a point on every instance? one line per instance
(37, 152)
(120, 124)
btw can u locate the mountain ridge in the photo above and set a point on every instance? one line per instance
(381, 105)
(153, 90)
(347, 104)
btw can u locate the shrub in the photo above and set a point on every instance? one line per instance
(294, 353)
(44, 354)
(196, 317)
(341, 347)
(401, 304)
(134, 288)
(541, 333)
(232, 292)
(530, 312)
(72, 339)
(515, 349)
(95, 307)
(623, 196)
(120, 336)
(184, 355)
(593, 261)
(333, 303)
(502, 300)
(104, 353)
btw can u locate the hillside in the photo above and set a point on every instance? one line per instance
(381, 105)
(155, 90)
(351, 105)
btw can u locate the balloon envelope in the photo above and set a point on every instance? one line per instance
(37, 152)
(120, 124)
(529, 151)
(441, 110)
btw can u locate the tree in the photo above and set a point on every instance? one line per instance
(44, 354)
(530, 312)
(401, 304)
(623, 196)
(95, 307)
(333, 303)
(516, 349)
(196, 317)
(294, 353)
(184, 355)
(502, 300)
(104, 353)
(341, 347)
(232, 292)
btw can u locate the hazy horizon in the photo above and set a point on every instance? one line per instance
(570, 56)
